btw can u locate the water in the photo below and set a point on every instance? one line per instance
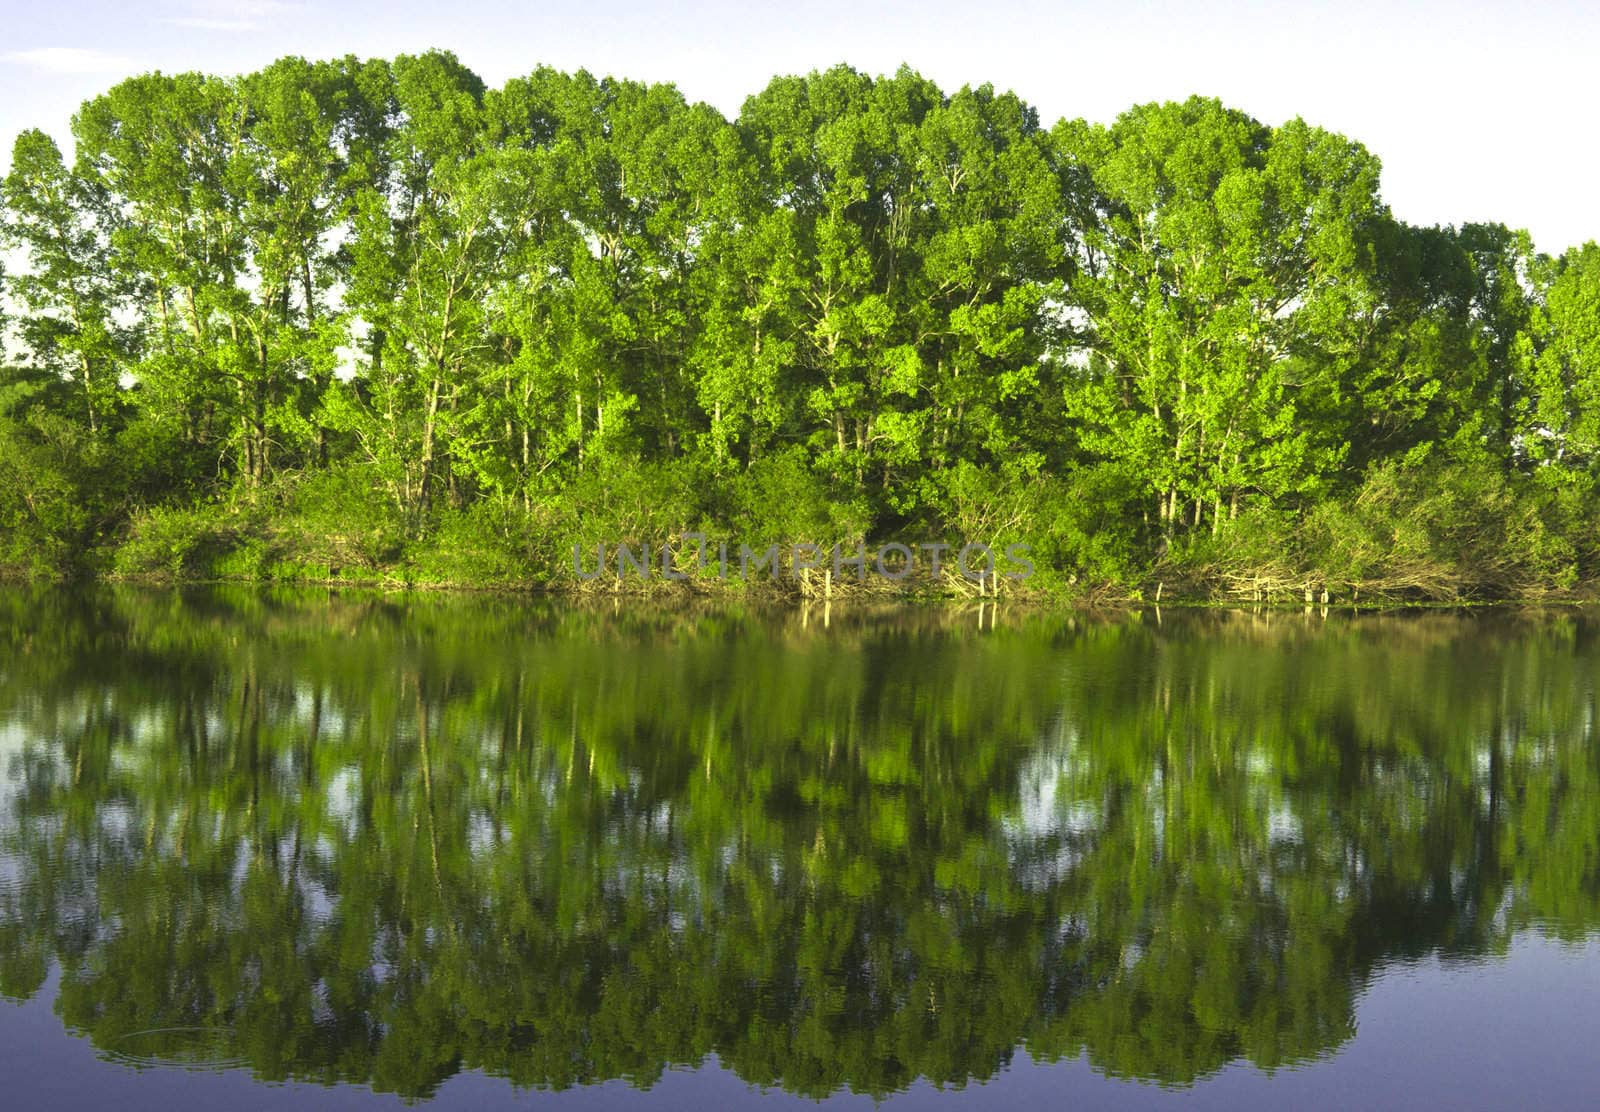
(351, 851)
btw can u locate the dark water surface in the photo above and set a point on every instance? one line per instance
(344, 851)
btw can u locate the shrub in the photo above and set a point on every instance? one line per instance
(340, 517)
(169, 542)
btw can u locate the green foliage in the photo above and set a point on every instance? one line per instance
(170, 542)
(1452, 528)
(413, 327)
(484, 544)
(51, 503)
(339, 516)
(1088, 530)
(781, 498)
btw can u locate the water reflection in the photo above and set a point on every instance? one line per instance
(359, 839)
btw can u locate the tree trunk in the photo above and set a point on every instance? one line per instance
(429, 424)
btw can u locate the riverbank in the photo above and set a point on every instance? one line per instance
(672, 540)
(1178, 588)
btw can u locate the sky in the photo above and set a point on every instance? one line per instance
(1479, 112)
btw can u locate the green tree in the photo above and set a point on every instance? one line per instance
(69, 296)
(1560, 360)
(1213, 283)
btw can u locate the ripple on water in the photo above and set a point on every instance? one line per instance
(185, 1048)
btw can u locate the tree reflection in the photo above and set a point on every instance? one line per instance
(384, 841)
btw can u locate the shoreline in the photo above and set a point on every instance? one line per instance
(1103, 597)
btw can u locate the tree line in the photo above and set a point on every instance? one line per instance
(367, 319)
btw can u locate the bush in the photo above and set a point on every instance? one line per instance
(49, 502)
(1456, 527)
(1087, 528)
(340, 518)
(485, 544)
(614, 502)
(167, 542)
(779, 499)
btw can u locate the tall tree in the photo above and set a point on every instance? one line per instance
(70, 297)
(424, 251)
(1560, 361)
(1220, 258)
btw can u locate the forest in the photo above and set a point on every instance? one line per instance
(375, 321)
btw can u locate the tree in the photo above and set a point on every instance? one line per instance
(423, 257)
(69, 295)
(1560, 362)
(1221, 259)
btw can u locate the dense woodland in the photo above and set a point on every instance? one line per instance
(374, 320)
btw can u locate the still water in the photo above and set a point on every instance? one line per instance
(354, 851)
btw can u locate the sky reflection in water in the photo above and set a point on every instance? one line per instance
(456, 848)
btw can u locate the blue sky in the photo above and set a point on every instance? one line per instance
(1478, 111)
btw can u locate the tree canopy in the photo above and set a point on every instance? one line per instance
(376, 320)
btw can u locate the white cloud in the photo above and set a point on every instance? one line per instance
(204, 23)
(70, 60)
(233, 15)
